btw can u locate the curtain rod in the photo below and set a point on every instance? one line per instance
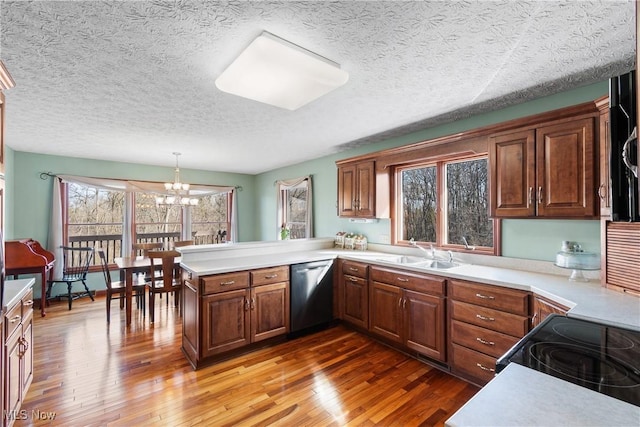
(46, 175)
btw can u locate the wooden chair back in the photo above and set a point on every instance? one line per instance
(76, 263)
(105, 268)
(165, 260)
(144, 248)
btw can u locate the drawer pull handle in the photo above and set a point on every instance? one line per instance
(15, 319)
(246, 304)
(485, 296)
(484, 368)
(401, 279)
(230, 282)
(271, 276)
(352, 279)
(485, 342)
(399, 302)
(28, 303)
(488, 319)
(354, 269)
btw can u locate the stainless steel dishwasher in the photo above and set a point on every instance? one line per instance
(311, 296)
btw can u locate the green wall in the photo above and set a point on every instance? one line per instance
(533, 239)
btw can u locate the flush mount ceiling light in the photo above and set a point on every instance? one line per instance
(276, 72)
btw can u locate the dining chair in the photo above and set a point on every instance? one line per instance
(117, 290)
(170, 282)
(75, 267)
(144, 248)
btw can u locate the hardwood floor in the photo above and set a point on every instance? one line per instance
(93, 374)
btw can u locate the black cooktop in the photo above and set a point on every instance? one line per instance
(593, 355)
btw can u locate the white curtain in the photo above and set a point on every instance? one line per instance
(54, 240)
(234, 217)
(288, 185)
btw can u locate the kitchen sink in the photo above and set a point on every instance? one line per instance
(440, 265)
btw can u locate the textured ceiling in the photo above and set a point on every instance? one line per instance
(133, 81)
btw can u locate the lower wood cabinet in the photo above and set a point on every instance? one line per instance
(354, 293)
(484, 322)
(229, 311)
(409, 309)
(542, 307)
(18, 355)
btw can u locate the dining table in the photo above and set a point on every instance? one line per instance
(129, 266)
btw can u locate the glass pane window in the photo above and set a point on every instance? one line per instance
(419, 204)
(156, 223)
(210, 222)
(94, 218)
(467, 192)
(295, 210)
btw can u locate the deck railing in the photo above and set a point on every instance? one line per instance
(111, 244)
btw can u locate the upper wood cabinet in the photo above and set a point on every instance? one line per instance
(357, 189)
(544, 171)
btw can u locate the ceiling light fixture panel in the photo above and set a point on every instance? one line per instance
(274, 71)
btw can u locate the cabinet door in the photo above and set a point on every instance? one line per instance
(355, 300)
(225, 321)
(27, 353)
(346, 190)
(425, 324)
(542, 307)
(365, 190)
(356, 190)
(385, 311)
(13, 377)
(512, 169)
(269, 311)
(565, 169)
(190, 310)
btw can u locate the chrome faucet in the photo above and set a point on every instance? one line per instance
(466, 244)
(429, 253)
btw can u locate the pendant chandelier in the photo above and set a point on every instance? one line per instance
(178, 191)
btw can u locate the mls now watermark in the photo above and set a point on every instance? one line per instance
(23, 414)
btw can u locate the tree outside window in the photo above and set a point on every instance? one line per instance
(461, 187)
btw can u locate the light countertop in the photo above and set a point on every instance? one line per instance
(520, 396)
(14, 290)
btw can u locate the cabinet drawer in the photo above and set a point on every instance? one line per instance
(481, 339)
(473, 363)
(353, 268)
(488, 318)
(224, 282)
(510, 300)
(12, 319)
(266, 276)
(27, 304)
(414, 282)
